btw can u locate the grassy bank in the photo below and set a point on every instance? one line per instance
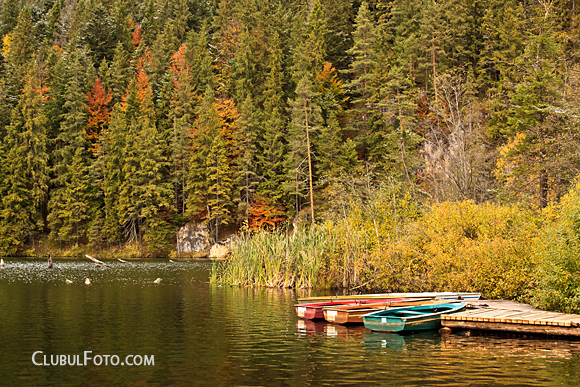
(502, 251)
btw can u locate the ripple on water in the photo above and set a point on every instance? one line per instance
(134, 272)
(207, 335)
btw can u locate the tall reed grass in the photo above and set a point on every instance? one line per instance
(277, 260)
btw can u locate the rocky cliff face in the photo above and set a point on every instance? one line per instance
(193, 239)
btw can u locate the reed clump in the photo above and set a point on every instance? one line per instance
(275, 259)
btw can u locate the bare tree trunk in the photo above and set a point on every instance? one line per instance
(543, 189)
(309, 165)
(434, 70)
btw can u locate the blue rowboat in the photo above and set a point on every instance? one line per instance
(410, 318)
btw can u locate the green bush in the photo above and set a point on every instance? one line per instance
(558, 257)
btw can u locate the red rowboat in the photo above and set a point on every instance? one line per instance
(313, 311)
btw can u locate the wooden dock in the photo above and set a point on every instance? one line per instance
(516, 318)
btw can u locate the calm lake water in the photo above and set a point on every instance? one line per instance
(203, 335)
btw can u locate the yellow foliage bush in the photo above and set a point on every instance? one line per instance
(462, 246)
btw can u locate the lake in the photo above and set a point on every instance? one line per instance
(197, 334)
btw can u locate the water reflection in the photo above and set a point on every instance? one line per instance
(209, 335)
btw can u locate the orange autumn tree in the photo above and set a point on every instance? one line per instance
(265, 214)
(98, 99)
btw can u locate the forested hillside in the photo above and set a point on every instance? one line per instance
(123, 120)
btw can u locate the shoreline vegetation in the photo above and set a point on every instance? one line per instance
(393, 144)
(502, 251)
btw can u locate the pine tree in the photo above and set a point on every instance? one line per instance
(68, 202)
(535, 119)
(182, 116)
(203, 131)
(220, 185)
(98, 34)
(361, 72)
(24, 153)
(8, 16)
(19, 53)
(305, 119)
(144, 193)
(271, 142)
(310, 51)
(247, 167)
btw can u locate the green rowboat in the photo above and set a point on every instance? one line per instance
(410, 318)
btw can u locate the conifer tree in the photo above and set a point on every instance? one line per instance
(203, 131)
(361, 71)
(119, 73)
(215, 149)
(338, 40)
(18, 53)
(24, 152)
(220, 195)
(182, 117)
(98, 34)
(305, 120)
(535, 119)
(68, 201)
(434, 36)
(272, 143)
(310, 51)
(144, 192)
(200, 60)
(247, 178)
(8, 16)
(107, 170)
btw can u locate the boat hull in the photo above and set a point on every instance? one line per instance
(315, 311)
(408, 319)
(353, 314)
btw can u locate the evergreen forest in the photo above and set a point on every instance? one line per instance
(122, 121)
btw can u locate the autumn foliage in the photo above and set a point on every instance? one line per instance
(98, 100)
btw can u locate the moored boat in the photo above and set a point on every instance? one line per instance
(352, 314)
(387, 296)
(410, 318)
(313, 311)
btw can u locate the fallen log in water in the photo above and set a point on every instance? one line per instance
(95, 260)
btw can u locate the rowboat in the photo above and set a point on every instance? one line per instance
(386, 296)
(410, 318)
(352, 314)
(315, 310)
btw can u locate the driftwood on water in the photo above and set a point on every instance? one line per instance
(95, 260)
